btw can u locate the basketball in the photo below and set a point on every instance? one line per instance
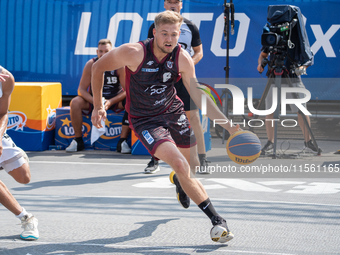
(243, 147)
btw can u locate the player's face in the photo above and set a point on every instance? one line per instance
(173, 5)
(166, 37)
(102, 49)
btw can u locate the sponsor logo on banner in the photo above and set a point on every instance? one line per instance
(50, 121)
(16, 120)
(112, 130)
(66, 130)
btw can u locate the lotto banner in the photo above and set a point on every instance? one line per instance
(64, 132)
(31, 117)
(113, 129)
(50, 40)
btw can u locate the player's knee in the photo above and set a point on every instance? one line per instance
(75, 103)
(181, 167)
(26, 178)
(23, 177)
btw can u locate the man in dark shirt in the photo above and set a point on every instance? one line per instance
(113, 92)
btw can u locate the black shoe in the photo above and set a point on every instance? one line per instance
(204, 167)
(119, 144)
(267, 148)
(152, 167)
(182, 197)
(220, 232)
(337, 152)
(311, 146)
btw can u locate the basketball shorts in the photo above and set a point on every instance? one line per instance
(12, 156)
(170, 126)
(297, 83)
(183, 94)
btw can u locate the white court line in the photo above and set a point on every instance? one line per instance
(148, 247)
(85, 163)
(172, 198)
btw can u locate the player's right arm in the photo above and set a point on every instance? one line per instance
(130, 55)
(85, 82)
(187, 70)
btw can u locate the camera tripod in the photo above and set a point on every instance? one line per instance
(229, 11)
(278, 72)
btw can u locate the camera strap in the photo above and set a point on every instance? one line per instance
(289, 42)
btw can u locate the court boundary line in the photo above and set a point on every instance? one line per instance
(148, 247)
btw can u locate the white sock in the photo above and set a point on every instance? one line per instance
(22, 214)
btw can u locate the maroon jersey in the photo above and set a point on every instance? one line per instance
(150, 89)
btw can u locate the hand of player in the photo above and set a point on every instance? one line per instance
(234, 129)
(107, 105)
(3, 77)
(97, 116)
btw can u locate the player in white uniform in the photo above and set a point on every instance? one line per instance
(14, 161)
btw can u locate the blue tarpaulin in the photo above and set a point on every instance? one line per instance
(51, 40)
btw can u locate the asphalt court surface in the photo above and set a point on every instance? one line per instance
(101, 202)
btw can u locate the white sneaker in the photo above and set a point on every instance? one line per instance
(125, 148)
(74, 146)
(220, 232)
(30, 225)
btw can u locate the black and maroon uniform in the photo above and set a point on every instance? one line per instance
(156, 113)
(111, 85)
(111, 88)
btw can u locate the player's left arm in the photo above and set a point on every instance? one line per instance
(187, 70)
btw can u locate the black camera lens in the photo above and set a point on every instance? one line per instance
(271, 39)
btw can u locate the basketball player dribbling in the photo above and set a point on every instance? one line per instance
(156, 114)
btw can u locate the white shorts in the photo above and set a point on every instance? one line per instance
(296, 83)
(12, 156)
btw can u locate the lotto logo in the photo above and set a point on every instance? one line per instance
(16, 120)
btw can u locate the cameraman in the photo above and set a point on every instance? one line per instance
(295, 70)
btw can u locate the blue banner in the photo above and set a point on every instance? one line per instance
(50, 41)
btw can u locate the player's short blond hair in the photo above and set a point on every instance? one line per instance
(168, 17)
(104, 42)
